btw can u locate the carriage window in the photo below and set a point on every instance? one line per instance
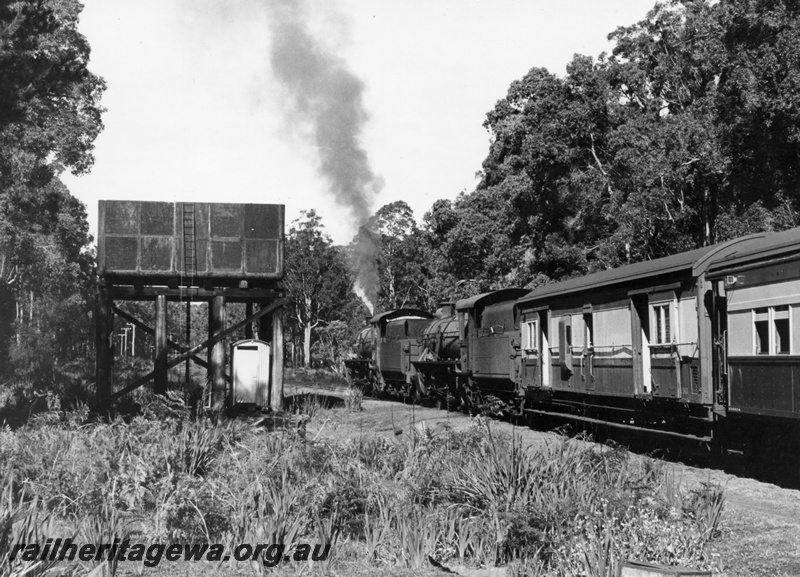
(662, 325)
(587, 322)
(772, 330)
(781, 325)
(761, 324)
(530, 334)
(577, 332)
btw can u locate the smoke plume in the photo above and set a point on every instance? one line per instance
(327, 99)
(366, 252)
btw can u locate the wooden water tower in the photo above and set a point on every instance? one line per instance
(191, 252)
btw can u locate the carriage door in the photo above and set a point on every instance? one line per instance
(640, 333)
(565, 347)
(544, 348)
(529, 329)
(587, 358)
(719, 312)
(536, 349)
(664, 358)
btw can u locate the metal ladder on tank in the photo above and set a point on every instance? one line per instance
(189, 270)
(189, 244)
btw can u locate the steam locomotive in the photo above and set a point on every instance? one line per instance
(702, 345)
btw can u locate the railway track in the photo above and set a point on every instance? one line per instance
(697, 456)
(761, 522)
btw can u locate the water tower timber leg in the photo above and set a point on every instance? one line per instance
(161, 355)
(209, 371)
(188, 368)
(104, 321)
(217, 353)
(265, 325)
(265, 334)
(248, 328)
(276, 382)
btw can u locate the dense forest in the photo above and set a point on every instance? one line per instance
(50, 114)
(686, 134)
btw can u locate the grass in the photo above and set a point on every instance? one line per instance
(435, 496)
(753, 546)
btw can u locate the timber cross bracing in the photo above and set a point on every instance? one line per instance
(150, 331)
(189, 353)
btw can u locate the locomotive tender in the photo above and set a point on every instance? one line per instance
(703, 345)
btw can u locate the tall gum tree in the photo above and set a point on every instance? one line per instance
(398, 254)
(684, 136)
(49, 118)
(318, 281)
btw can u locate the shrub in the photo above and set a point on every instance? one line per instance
(472, 496)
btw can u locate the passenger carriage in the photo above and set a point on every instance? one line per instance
(631, 346)
(757, 298)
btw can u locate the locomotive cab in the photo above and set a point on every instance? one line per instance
(397, 343)
(490, 360)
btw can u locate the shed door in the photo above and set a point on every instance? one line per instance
(249, 372)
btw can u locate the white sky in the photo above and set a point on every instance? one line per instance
(194, 114)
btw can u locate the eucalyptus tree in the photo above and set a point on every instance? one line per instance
(50, 116)
(685, 135)
(319, 283)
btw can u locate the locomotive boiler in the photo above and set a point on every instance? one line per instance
(439, 358)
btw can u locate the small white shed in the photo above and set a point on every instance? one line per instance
(250, 373)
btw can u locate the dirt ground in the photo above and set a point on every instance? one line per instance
(760, 524)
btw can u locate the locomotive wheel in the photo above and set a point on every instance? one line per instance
(420, 386)
(474, 401)
(379, 385)
(369, 385)
(468, 395)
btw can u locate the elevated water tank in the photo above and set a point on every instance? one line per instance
(215, 241)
